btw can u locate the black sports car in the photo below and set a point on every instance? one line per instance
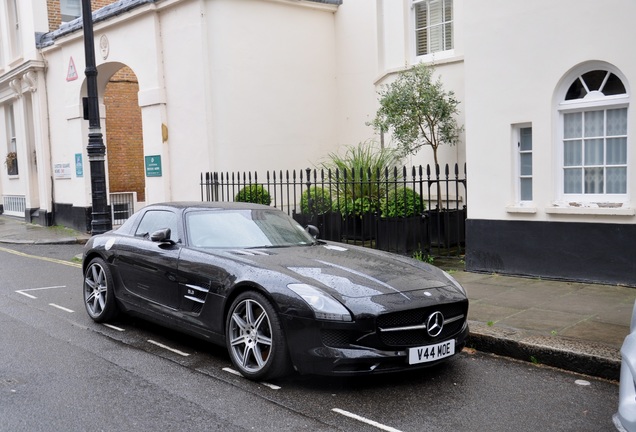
(249, 277)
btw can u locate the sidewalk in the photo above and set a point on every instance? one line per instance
(573, 326)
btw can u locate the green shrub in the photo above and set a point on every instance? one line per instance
(253, 193)
(366, 167)
(320, 201)
(401, 202)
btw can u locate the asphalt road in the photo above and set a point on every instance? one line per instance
(60, 371)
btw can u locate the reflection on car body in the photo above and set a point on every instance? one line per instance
(249, 277)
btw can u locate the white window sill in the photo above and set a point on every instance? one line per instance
(529, 209)
(598, 211)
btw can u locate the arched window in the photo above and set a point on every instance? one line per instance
(593, 136)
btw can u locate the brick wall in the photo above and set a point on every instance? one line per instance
(124, 140)
(55, 12)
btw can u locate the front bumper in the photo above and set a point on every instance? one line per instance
(311, 355)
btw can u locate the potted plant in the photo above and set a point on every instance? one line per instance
(316, 206)
(358, 180)
(11, 162)
(402, 224)
(253, 193)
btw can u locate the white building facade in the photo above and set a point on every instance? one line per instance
(550, 126)
(254, 85)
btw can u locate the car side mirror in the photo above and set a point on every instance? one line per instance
(313, 231)
(162, 236)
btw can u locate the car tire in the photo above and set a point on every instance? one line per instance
(99, 298)
(255, 338)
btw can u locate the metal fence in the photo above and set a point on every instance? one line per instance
(416, 210)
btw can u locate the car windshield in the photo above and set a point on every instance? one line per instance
(244, 229)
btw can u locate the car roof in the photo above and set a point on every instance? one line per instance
(208, 205)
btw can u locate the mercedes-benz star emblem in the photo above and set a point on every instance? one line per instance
(435, 324)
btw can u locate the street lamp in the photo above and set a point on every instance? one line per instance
(100, 220)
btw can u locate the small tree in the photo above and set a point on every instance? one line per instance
(418, 112)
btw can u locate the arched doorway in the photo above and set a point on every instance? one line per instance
(124, 144)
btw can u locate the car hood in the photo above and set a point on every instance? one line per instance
(350, 272)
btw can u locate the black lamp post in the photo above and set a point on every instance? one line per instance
(100, 221)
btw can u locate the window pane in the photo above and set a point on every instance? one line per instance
(576, 91)
(525, 139)
(573, 125)
(617, 180)
(594, 151)
(593, 180)
(617, 122)
(421, 43)
(526, 189)
(421, 40)
(526, 164)
(594, 123)
(613, 86)
(420, 16)
(594, 79)
(572, 154)
(616, 151)
(436, 12)
(572, 180)
(448, 36)
(436, 38)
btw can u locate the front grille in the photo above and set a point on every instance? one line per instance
(418, 317)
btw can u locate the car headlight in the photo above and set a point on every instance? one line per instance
(454, 282)
(324, 306)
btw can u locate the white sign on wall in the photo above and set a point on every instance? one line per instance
(62, 170)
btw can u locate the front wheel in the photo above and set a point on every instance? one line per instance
(98, 291)
(255, 338)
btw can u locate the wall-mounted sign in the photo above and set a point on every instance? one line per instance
(153, 166)
(71, 75)
(79, 166)
(62, 170)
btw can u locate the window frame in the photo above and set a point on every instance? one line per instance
(441, 54)
(518, 173)
(595, 102)
(65, 17)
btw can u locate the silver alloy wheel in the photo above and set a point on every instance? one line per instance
(95, 289)
(250, 336)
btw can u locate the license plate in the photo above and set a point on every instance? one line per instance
(431, 353)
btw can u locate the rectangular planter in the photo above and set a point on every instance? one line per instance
(403, 235)
(359, 227)
(329, 224)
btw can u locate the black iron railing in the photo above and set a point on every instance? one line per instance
(404, 210)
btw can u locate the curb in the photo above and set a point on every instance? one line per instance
(574, 355)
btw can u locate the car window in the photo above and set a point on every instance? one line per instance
(155, 220)
(244, 229)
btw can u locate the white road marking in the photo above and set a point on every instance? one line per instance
(160, 345)
(61, 308)
(365, 420)
(113, 327)
(266, 384)
(232, 371)
(23, 292)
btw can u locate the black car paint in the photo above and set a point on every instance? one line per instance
(194, 296)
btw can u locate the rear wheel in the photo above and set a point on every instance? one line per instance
(98, 291)
(255, 338)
